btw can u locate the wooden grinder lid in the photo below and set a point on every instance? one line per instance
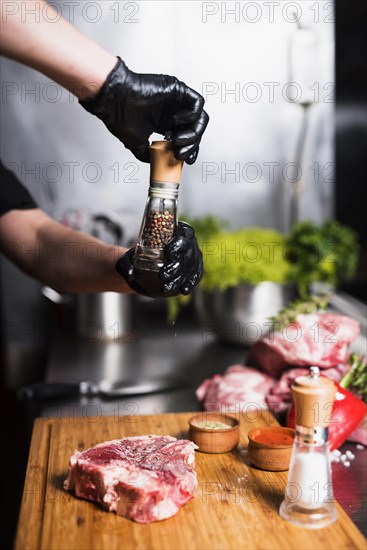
(164, 167)
(313, 397)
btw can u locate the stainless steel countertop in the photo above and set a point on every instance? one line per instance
(172, 351)
(187, 351)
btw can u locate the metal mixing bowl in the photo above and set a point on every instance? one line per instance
(240, 315)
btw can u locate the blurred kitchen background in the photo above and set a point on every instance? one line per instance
(242, 62)
(242, 57)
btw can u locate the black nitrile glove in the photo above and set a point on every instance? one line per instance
(133, 106)
(182, 269)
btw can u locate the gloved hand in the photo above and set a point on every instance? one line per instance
(133, 106)
(183, 265)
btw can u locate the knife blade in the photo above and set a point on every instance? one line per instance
(106, 389)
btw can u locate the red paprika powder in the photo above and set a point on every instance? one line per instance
(273, 436)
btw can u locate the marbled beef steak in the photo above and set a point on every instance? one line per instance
(146, 478)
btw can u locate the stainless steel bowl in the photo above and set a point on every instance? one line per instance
(103, 316)
(94, 317)
(240, 315)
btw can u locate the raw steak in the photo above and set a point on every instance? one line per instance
(320, 339)
(280, 395)
(237, 387)
(145, 478)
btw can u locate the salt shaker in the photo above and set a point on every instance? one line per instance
(160, 217)
(309, 500)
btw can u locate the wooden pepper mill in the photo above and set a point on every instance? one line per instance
(160, 217)
(309, 493)
(164, 167)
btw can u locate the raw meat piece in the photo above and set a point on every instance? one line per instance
(146, 478)
(238, 386)
(320, 339)
(280, 395)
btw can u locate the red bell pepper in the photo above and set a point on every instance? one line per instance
(348, 412)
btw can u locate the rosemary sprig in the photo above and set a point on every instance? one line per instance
(356, 378)
(288, 314)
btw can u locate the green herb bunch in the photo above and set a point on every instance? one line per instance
(289, 314)
(328, 253)
(355, 379)
(250, 256)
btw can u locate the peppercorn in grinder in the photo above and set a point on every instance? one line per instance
(309, 500)
(160, 217)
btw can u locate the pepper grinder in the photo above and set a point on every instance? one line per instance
(309, 500)
(160, 217)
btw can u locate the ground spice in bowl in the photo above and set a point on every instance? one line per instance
(270, 448)
(212, 425)
(214, 432)
(274, 438)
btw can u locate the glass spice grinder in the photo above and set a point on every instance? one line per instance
(160, 217)
(309, 500)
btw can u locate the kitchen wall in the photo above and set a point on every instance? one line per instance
(238, 55)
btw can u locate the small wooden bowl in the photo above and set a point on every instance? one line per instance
(214, 440)
(264, 451)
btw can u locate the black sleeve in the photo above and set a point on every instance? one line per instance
(13, 195)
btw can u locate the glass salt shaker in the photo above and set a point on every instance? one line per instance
(160, 217)
(309, 500)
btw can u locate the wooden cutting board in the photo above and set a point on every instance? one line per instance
(235, 505)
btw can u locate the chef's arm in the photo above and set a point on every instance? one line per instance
(64, 259)
(34, 34)
(131, 105)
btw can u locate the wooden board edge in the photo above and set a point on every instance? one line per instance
(33, 500)
(268, 418)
